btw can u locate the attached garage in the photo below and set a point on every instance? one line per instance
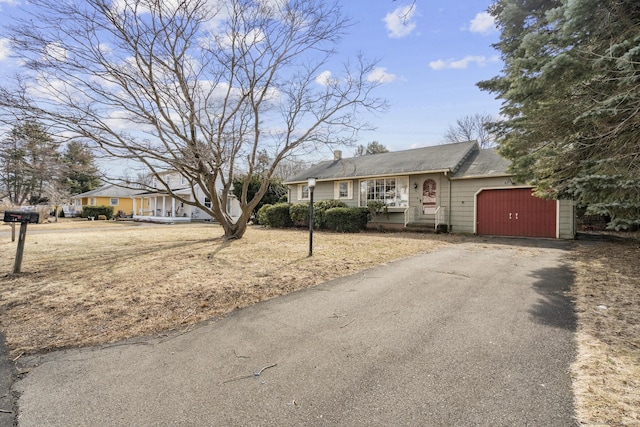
(516, 212)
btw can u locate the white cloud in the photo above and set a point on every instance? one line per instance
(52, 89)
(324, 78)
(380, 75)
(56, 52)
(463, 63)
(400, 22)
(483, 23)
(5, 49)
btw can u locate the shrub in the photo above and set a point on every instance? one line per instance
(376, 207)
(346, 220)
(278, 216)
(319, 209)
(261, 218)
(94, 211)
(300, 214)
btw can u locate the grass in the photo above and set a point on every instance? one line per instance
(105, 284)
(606, 372)
(116, 280)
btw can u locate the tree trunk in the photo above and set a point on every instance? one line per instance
(234, 230)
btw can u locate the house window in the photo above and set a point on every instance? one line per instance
(343, 190)
(303, 192)
(207, 202)
(390, 191)
(114, 201)
(92, 201)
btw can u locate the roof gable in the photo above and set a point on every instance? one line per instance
(484, 163)
(439, 158)
(109, 191)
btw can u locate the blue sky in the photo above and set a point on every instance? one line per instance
(434, 60)
(431, 54)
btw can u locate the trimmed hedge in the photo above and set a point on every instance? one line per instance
(321, 207)
(278, 216)
(331, 215)
(300, 214)
(346, 220)
(261, 218)
(95, 211)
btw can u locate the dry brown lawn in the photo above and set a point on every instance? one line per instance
(606, 372)
(114, 280)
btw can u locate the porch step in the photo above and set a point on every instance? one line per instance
(423, 227)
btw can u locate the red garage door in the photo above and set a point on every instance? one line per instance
(515, 212)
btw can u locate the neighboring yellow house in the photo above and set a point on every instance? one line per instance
(110, 195)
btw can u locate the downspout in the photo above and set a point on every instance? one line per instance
(449, 208)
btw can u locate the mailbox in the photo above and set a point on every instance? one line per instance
(22, 217)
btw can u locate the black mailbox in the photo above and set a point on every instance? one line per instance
(21, 216)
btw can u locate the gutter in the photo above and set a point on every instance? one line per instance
(394, 174)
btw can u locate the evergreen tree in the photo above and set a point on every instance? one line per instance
(571, 91)
(80, 172)
(275, 190)
(29, 159)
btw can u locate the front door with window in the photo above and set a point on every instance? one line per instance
(429, 197)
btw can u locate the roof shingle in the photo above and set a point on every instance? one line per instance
(447, 157)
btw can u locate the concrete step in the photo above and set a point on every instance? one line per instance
(424, 227)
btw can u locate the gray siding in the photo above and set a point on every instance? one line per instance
(325, 191)
(463, 200)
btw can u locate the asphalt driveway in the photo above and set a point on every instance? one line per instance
(477, 333)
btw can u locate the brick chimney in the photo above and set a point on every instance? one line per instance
(337, 155)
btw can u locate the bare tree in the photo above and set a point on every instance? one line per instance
(206, 85)
(469, 128)
(57, 194)
(374, 147)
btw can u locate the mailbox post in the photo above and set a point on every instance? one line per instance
(23, 218)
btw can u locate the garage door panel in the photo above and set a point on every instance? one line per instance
(515, 212)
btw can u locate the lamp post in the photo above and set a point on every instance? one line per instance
(311, 183)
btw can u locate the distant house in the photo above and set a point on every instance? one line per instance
(155, 205)
(109, 195)
(158, 205)
(458, 187)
